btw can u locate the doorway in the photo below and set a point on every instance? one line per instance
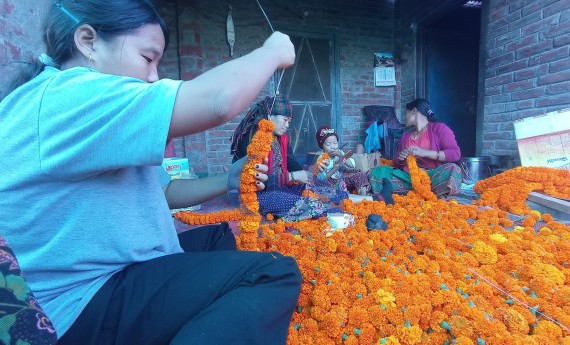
(310, 84)
(450, 54)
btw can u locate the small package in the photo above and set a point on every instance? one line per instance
(544, 140)
(339, 221)
(176, 167)
(366, 161)
(179, 168)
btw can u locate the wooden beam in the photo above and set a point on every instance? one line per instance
(549, 201)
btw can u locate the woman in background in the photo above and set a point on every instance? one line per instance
(435, 148)
(284, 195)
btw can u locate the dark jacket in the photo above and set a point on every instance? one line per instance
(289, 162)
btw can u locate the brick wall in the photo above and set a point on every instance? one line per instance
(527, 69)
(361, 31)
(20, 38)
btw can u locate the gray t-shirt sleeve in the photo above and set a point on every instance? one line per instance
(115, 122)
(163, 176)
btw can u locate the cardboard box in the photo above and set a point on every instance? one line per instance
(176, 167)
(544, 140)
(366, 161)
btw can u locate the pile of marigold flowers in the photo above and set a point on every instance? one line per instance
(442, 272)
(510, 189)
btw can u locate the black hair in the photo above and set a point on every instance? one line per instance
(110, 18)
(423, 107)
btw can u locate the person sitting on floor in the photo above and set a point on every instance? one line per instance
(123, 277)
(335, 174)
(287, 180)
(434, 145)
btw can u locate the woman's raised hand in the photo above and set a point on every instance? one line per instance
(282, 46)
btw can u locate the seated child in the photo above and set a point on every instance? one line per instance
(327, 139)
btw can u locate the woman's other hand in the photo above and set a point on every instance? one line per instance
(419, 152)
(281, 44)
(323, 165)
(234, 174)
(260, 174)
(403, 155)
(301, 176)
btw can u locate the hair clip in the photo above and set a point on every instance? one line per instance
(47, 60)
(64, 10)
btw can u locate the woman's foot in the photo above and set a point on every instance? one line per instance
(363, 191)
(387, 191)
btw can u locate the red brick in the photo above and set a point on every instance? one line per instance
(500, 80)
(533, 49)
(531, 73)
(549, 56)
(527, 94)
(559, 65)
(559, 88)
(519, 85)
(554, 78)
(539, 26)
(523, 42)
(563, 99)
(6, 8)
(562, 40)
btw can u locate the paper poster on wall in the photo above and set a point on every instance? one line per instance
(384, 70)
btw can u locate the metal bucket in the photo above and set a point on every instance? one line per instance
(501, 161)
(474, 169)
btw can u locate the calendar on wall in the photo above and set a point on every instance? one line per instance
(384, 70)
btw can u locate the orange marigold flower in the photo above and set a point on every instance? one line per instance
(515, 321)
(409, 335)
(196, 218)
(387, 162)
(385, 298)
(484, 253)
(547, 218)
(463, 340)
(421, 183)
(257, 150)
(321, 159)
(391, 340)
(548, 329)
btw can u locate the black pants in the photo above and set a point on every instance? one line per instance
(214, 295)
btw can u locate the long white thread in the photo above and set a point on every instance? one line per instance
(283, 71)
(518, 300)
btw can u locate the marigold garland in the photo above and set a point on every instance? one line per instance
(421, 182)
(196, 218)
(257, 151)
(387, 162)
(509, 190)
